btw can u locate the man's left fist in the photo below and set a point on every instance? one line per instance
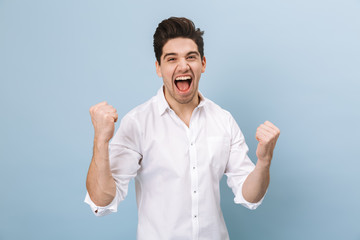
(267, 135)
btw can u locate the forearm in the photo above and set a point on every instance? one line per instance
(100, 183)
(256, 184)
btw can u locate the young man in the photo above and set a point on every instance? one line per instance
(177, 146)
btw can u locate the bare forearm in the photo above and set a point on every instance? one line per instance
(100, 183)
(256, 183)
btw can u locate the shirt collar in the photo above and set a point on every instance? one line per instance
(164, 106)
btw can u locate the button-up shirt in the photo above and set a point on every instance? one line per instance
(177, 169)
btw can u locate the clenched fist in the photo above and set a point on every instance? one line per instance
(103, 117)
(267, 135)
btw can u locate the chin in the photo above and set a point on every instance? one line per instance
(185, 100)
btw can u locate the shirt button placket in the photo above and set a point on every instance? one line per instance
(194, 184)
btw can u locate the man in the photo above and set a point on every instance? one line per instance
(177, 146)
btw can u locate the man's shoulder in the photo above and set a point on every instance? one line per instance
(214, 108)
(223, 118)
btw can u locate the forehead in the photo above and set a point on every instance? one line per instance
(179, 46)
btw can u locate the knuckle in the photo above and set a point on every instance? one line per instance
(107, 117)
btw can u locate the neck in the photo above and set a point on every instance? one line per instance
(184, 111)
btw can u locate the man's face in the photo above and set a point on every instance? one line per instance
(181, 68)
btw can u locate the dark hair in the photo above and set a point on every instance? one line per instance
(174, 27)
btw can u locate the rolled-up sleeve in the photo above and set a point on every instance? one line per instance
(124, 156)
(102, 211)
(239, 166)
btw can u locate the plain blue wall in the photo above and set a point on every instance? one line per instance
(295, 63)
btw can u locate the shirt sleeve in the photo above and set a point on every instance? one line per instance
(124, 156)
(239, 166)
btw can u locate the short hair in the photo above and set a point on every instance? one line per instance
(174, 27)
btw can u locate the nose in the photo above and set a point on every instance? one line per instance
(183, 65)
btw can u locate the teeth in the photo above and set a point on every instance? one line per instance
(183, 78)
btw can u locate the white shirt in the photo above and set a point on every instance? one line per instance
(177, 169)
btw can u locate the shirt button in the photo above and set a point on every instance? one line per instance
(192, 143)
(195, 216)
(194, 191)
(194, 168)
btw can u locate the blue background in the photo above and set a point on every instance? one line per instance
(295, 63)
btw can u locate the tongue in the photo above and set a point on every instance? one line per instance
(183, 85)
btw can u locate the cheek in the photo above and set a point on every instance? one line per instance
(198, 68)
(168, 73)
(167, 77)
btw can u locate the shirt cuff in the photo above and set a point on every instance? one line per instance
(239, 199)
(102, 211)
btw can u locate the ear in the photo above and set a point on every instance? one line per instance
(203, 62)
(158, 69)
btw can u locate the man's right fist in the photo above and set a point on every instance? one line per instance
(103, 117)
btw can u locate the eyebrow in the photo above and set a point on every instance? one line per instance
(193, 52)
(169, 54)
(175, 54)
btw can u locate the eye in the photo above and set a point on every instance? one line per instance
(171, 59)
(191, 57)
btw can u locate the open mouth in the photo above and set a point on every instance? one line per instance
(183, 83)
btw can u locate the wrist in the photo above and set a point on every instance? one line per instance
(263, 164)
(100, 142)
(100, 151)
(98, 139)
